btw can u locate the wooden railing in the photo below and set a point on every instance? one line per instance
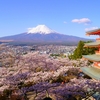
(96, 65)
(97, 39)
(97, 52)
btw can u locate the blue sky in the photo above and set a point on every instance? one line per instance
(70, 17)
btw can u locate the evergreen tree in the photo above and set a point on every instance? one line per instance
(81, 50)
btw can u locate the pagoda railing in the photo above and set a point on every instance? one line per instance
(97, 39)
(97, 52)
(96, 65)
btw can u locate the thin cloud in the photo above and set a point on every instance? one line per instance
(85, 21)
(92, 28)
(65, 22)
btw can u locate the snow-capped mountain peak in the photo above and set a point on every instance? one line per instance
(42, 29)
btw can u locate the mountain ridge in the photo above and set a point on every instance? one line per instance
(43, 35)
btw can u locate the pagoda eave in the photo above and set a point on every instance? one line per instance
(93, 32)
(92, 44)
(92, 72)
(93, 58)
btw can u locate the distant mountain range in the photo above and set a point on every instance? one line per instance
(42, 35)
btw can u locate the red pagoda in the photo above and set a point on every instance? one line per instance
(94, 70)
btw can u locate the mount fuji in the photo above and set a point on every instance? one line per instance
(41, 34)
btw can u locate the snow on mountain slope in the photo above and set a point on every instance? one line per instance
(42, 29)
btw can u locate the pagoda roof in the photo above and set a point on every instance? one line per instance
(93, 32)
(92, 44)
(92, 72)
(93, 57)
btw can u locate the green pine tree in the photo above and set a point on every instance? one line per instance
(81, 50)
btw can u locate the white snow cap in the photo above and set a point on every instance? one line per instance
(42, 29)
